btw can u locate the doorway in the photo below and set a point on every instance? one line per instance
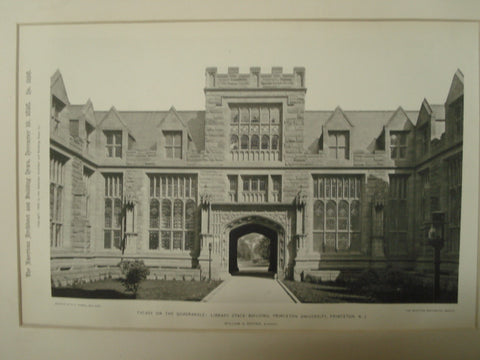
(253, 251)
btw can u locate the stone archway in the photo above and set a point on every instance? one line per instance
(261, 225)
(242, 230)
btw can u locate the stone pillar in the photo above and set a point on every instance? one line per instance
(130, 234)
(205, 206)
(300, 236)
(206, 239)
(304, 258)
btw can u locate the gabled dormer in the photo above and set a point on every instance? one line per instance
(89, 124)
(174, 138)
(454, 109)
(398, 135)
(115, 137)
(81, 124)
(336, 136)
(424, 128)
(58, 102)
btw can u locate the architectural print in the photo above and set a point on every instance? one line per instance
(334, 191)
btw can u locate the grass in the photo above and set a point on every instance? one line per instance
(322, 293)
(308, 292)
(149, 290)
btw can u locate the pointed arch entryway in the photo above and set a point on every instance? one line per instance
(263, 226)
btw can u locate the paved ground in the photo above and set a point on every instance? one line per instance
(253, 289)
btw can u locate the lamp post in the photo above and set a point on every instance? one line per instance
(209, 261)
(436, 240)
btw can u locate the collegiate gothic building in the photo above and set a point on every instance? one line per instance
(333, 190)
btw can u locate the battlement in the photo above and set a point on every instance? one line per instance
(254, 79)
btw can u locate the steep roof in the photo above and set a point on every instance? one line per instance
(368, 124)
(57, 87)
(113, 120)
(438, 111)
(86, 111)
(399, 120)
(339, 120)
(456, 88)
(144, 124)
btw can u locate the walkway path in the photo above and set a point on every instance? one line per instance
(250, 289)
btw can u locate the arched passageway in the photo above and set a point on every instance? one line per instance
(246, 229)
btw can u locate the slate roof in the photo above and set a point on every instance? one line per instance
(144, 125)
(57, 87)
(368, 124)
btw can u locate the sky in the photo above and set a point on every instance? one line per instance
(356, 65)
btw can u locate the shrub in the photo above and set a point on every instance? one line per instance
(366, 279)
(134, 273)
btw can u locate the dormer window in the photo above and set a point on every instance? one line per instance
(173, 144)
(398, 144)
(339, 144)
(113, 148)
(56, 107)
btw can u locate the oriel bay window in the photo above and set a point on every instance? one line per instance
(57, 183)
(255, 131)
(336, 213)
(113, 211)
(173, 208)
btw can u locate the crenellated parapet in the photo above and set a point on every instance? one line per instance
(255, 79)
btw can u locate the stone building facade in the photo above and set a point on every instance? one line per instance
(333, 190)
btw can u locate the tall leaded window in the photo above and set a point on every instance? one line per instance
(113, 147)
(173, 210)
(454, 173)
(336, 213)
(255, 131)
(113, 211)
(397, 223)
(398, 144)
(173, 144)
(57, 183)
(339, 144)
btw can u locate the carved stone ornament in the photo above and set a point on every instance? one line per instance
(301, 199)
(129, 201)
(205, 199)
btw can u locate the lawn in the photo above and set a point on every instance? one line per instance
(149, 290)
(308, 292)
(322, 293)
